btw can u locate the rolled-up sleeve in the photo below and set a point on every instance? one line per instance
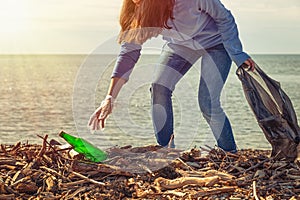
(127, 58)
(227, 28)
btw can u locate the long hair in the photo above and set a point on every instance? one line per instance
(145, 20)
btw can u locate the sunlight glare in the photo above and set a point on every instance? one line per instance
(13, 19)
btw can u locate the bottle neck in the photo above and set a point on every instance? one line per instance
(67, 136)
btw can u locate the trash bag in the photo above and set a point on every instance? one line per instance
(273, 110)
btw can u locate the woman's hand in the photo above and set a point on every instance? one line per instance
(97, 119)
(250, 63)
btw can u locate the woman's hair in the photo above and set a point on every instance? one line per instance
(145, 20)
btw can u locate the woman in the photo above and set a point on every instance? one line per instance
(192, 29)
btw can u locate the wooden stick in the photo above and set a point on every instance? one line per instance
(16, 146)
(43, 149)
(262, 162)
(71, 184)
(6, 161)
(7, 196)
(257, 165)
(10, 167)
(3, 149)
(55, 150)
(82, 189)
(86, 178)
(222, 175)
(254, 191)
(26, 178)
(189, 167)
(54, 172)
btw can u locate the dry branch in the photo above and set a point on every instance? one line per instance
(30, 171)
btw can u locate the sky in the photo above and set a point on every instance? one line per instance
(76, 26)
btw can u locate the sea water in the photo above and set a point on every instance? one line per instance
(43, 94)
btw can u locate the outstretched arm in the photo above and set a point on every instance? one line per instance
(127, 58)
(98, 118)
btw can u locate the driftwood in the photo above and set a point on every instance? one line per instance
(184, 181)
(31, 171)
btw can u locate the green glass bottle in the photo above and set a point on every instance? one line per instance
(82, 146)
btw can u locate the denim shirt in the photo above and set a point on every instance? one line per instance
(197, 24)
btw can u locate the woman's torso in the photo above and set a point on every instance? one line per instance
(192, 27)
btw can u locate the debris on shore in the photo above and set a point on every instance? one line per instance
(32, 171)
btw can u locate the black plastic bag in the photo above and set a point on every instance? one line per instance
(273, 110)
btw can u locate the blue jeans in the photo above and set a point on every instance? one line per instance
(215, 67)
